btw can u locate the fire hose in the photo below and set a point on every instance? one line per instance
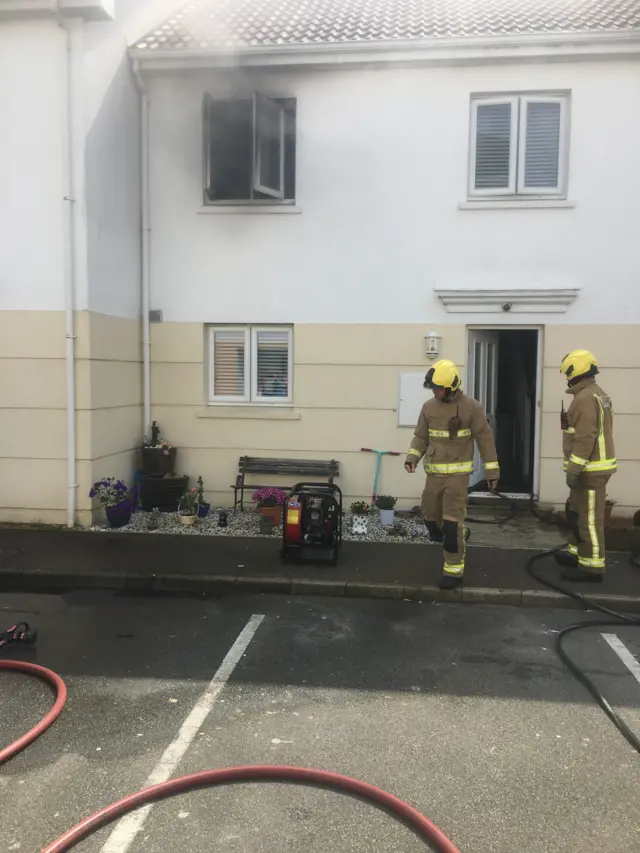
(422, 826)
(49, 718)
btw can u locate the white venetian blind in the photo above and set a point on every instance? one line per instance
(493, 146)
(272, 362)
(228, 363)
(542, 147)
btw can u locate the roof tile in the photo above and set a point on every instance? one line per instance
(224, 24)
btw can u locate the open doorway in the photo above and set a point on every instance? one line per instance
(504, 375)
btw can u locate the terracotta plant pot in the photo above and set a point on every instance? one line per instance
(188, 520)
(272, 512)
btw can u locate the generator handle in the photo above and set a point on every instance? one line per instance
(331, 486)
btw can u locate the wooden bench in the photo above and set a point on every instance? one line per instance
(311, 468)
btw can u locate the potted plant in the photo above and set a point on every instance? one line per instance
(116, 498)
(270, 501)
(188, 508)
(360, 511)
(386, 505)
(203, 507)
(158, 456)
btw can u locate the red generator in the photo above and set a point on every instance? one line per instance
(312, 523)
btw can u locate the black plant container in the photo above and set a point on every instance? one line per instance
(162, 491)
(156, 461)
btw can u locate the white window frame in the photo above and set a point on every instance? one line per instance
(525, 100)
(224, 398)
(251, 396)
(516, 187)
(498, 191)
(258, 186)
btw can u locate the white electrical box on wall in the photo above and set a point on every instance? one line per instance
(412, 395)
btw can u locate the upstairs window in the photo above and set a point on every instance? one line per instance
(518, 146)
(250, 364)
(249, 150)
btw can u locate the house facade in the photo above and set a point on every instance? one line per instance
(277, 226)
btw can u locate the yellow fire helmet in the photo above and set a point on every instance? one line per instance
(443, 374)
(579, 364)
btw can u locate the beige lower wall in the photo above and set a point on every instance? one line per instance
(33, 410)
(346, 397)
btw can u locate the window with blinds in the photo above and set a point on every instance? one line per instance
(250, 364)
(518, 146)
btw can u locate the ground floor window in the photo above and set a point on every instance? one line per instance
(250, 364)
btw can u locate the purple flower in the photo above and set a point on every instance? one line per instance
(269, 496)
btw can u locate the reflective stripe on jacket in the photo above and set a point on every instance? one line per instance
(588, 440)
(445, 435)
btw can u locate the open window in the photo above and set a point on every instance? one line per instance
(249, 150)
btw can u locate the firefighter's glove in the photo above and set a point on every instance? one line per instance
(573, 480)
(410, 465)
(492, 484)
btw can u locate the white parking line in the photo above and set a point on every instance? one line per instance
(126, 829)
(624, 654)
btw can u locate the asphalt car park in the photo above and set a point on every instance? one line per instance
(465, 712)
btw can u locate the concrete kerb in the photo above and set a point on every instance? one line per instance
(59, 582)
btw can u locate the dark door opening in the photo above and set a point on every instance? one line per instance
(515, 424)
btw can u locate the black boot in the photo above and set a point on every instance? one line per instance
(578, 575)
(450, 581)
(566, 558)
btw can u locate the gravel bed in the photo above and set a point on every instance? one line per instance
(405, 531)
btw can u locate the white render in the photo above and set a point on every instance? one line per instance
(31, 206)
(382, 177)
(105, 137)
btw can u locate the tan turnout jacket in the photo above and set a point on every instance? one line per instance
(588, 432)
(445, 435)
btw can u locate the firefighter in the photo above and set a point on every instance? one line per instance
(445, 433)
(589, 462)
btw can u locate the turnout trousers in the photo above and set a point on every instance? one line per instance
(444, 509)
(585, 518)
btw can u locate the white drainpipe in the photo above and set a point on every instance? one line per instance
(69, 267)
(146, 238)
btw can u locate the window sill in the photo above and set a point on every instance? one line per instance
(254, 413)
(516, 204)
(250, 208)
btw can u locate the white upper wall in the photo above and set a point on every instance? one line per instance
(105, 132)
(382, 163)
(112, 151)
(31, 178)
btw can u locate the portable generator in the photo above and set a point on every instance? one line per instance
(312, 523)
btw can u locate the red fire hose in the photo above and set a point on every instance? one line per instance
(209, 778)
(50, 717)
(258, 773)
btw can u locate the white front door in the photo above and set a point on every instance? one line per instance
(482, 383)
